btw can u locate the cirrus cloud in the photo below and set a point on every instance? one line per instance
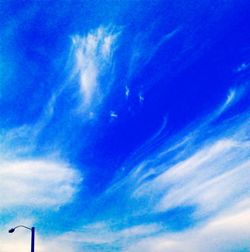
(93, 57)
(37, 183)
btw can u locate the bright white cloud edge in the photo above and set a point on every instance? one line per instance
(37, 183)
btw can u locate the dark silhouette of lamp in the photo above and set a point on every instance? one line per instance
(12, 230)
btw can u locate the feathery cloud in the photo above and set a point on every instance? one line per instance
(206, 167)
(37, 183)
(93, 55)
(228, 231)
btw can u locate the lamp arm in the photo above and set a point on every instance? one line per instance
(22, 226)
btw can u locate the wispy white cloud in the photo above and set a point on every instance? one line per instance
(102, 234)
(141, 98)
(206, 193)
(215, 181)
(204, 178)
(233, 96)
(93, 56)
(37, 183)
(242, 67)
(113, 114)
(139, 58)
(228, 231)
(22, 139)
(140, 230)
(205, 167)
(127, 91)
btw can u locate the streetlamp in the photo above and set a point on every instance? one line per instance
(12, 230)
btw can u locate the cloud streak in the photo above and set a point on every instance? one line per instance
(228, 231)
(203, 178)
(139, 59)
(93, 57)
(37, 183)
(205, 168)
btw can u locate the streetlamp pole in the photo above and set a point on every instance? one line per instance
(12, 230)
(32, 239)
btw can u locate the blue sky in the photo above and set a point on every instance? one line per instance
(124, 125)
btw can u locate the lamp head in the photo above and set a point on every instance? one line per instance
(12, 230)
